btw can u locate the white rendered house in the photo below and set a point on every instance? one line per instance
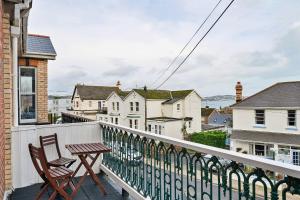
(267, 123)
(171, 113)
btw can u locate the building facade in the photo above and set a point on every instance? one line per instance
(59, 104)
(171, 113)
(23, 79)
(87, 100)
(267, 123)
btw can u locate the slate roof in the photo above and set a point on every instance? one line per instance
(205, 112)
(88, 92)
(39, 45)
(279, 95)
(164, 94)
(268, 137)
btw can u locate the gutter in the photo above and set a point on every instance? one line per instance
(15, 33)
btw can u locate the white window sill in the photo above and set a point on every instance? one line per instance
(292, 128)
(259, 126)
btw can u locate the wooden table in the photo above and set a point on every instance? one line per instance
(84, 151)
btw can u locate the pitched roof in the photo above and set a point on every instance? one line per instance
(205, 112)
(180, 94)
(171, 101)
(88, 92)
(39, 45)
(123, 94)
(282, 95)
(154, 94)
(163, 94)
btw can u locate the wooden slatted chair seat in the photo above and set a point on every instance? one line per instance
(60, 161)
(60, 172)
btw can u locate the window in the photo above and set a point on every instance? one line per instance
(116, 120)
(284, 150)
(130, 123)
(113, 105)
(27, 94)
(159, 129)
(90, 103)
(149, 127)
(178, 107)
(137, 106)
(260, 150)
(260, 117)
(190, 124)
(291, 117)
(155, 129)
(118, 106)
(112, 120)
(99, 105)
(136, 124)
(131, 106)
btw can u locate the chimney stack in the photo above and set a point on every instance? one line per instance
(118, 84)
(238, 92)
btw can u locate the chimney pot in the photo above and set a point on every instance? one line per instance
(238, 92)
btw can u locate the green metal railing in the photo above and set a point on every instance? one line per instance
(161, 170)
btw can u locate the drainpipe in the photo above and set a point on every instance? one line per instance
(15, 33)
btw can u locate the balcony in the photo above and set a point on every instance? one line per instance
(158, 167)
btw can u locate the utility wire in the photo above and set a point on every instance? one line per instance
(174, 60)
(195, 46)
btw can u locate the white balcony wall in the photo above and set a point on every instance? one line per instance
(24, 173)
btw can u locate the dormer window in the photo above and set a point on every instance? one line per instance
(131, 106)
(260, 117)
(292, 118)
(113, 105)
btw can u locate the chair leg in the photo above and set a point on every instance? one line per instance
(53, 195)
(42, 191)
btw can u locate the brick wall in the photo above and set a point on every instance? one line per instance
(2, 144)
(7, 72)
(42, 86)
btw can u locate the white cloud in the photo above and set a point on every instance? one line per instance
(102, 41)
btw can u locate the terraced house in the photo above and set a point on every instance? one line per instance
(23, 80)
(164, 112)
(267, 123)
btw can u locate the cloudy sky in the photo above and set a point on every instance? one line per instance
(257, 42)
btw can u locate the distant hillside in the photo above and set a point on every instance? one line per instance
(219, 98)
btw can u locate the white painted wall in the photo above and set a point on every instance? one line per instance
(57, 106)
(167, 110)
(154, 108)
(192, 108)
(23, 171)
(140, 115)
(275, 121)
(169, 128)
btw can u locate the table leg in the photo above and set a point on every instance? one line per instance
(91, 172)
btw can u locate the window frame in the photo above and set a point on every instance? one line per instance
(118, 106)
(137, 106)
(130, 123)
(295, 118)
(24, 121)
(136, 124)
(178, 107)
(261, 118)
(113, 105)
(131, 106)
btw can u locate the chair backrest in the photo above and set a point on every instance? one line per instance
(49, 140)
(38, 160)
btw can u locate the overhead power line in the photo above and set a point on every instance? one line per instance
(184, 47)
(184, 60)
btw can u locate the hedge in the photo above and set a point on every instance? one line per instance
(211, 138)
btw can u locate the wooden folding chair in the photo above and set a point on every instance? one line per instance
(58, 178)
(61, 161)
